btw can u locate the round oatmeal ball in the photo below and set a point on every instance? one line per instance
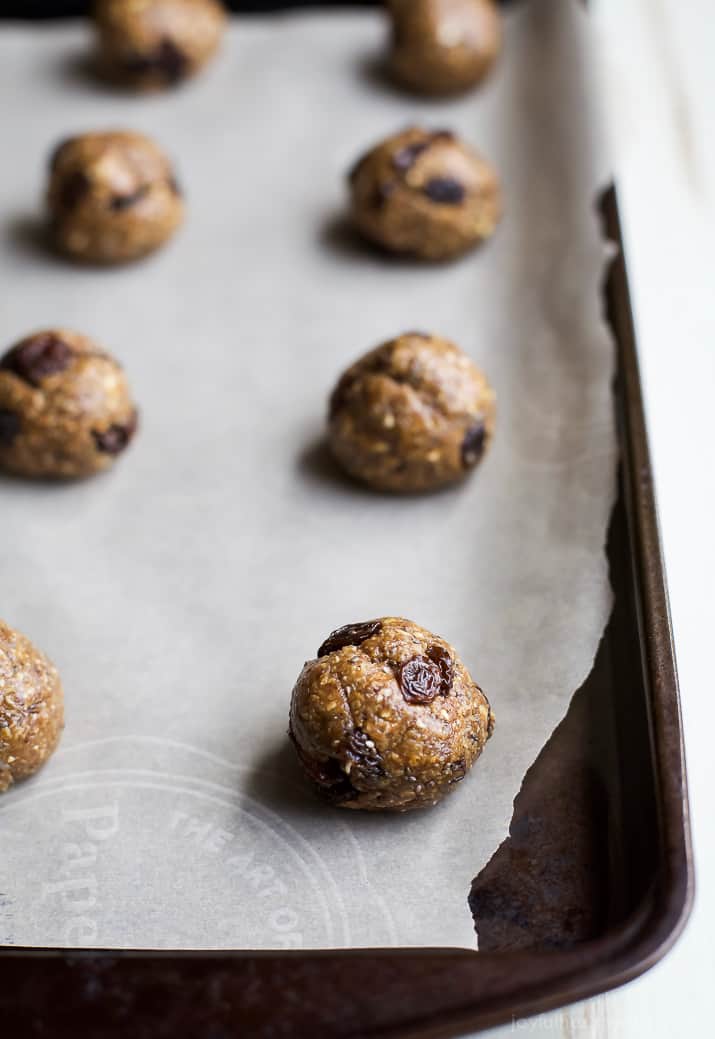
(65, 407)
(424, 194)
(151, 44)
(415, 414)
(31, 708)
(387, 717)
(112, 197)
(443, 46)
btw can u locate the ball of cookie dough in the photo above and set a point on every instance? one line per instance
(31, 707)
(415, 414)
(387, 717)
(425, 194)
(65, 407)
(443, 46)
(112, 197)
(150, 44)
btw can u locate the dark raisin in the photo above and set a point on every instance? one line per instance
(35, 358)
(457, 771)
(168, 61)
(73, 189)
(420, 680)
(445, 190)
(364, 753)
(444, 662)
(382, 193)
(473, 444)
(349, 635)
(171, 61)
(327, 775)
(175, 186)
(114, 440)
(406, 157)
(380, 363)
(120, 202)
(9, 426)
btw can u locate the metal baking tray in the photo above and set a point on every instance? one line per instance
(591, 888)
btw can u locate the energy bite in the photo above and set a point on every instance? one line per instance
(387, 718)
(415, 414)
(424, 194)
(65, 407)
(152, 44)
(31, 708)
(443, 46)
(112, 197)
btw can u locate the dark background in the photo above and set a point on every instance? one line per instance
(61, 8)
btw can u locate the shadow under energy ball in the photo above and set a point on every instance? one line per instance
(387, 717)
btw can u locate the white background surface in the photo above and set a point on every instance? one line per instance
(660, 93)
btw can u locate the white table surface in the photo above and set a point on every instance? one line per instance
(659, 88)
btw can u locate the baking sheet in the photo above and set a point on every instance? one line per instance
(180, 594)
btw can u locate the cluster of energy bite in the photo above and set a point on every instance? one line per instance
(386, 716)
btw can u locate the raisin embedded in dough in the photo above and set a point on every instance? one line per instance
(153, 44)
(65, 407)
(443, 46)
(424, 194)
(387, 717)
(113, 197)
(415, 414)
(31, 707)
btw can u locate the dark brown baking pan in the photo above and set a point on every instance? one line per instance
(591, 888)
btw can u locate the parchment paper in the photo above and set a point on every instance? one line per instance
(180, 594)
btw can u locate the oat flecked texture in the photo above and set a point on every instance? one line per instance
(153, 44)
(412, 415)
(443, 46)
(112, 197)
(65, 407)
(390, 721)
(425, 194)
(31, 707)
